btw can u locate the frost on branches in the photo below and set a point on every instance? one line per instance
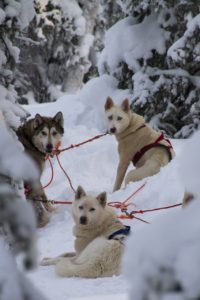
(56, 49)
(165, 264)
(14, 17)
(158, 60)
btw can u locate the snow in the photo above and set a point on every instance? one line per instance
(106, 297)
(132, 38)
(177, 51)
(72, 9)
(12, 9)
(86, 44)
(191, 163)
(23, 10)
(166, 254)
(7, 265)
(93, 166)
(12, 111)
(93, 97)
(14, 284)
(2, 16)
(27, 12)
(11, 156)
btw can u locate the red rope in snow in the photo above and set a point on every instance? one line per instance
(123, 205)
(126, 215)
(131, 215)
(116, 204)
(154, 209)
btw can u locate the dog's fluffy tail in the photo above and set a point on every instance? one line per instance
(101, 258)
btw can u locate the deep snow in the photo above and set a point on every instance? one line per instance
(93, 166)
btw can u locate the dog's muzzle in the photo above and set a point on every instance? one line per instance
(113, 130)
(83, 220)
(49, 148)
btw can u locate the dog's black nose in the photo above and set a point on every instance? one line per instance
(49, 148)
(113, 130)
(83, 220)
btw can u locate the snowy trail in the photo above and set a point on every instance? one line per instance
(93, 166)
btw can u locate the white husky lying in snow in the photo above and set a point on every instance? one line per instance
(98, 244)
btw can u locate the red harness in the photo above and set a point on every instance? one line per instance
(142, 151)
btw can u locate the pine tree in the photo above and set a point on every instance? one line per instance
(160, 63)
(56, 49)
(14, 17)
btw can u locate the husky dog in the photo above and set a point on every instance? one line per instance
(99, 240)
(146, 148)
(39, 137)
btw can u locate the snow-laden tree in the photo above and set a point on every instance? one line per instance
(17, 219)
(14, 17)
(162, 260)
(108, 13)
(154, 52)
(56, 49)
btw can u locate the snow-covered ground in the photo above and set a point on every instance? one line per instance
(93, 166)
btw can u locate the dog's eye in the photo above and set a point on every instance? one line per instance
(54, 133)
(44, 133)
(80, 207)
(110, 118)
(92, 209)
(119, 118)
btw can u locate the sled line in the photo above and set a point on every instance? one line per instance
(123, 206)
(56, 153)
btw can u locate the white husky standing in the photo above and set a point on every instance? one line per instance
(98, 244)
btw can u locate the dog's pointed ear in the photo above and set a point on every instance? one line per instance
(58, 118)
(79, 193)
(125, 105)
(109, 103)
(102, 198)
(37, 120)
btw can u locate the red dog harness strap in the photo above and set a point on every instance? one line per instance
(142, 151)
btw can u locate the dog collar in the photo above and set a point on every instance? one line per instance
(122, 232)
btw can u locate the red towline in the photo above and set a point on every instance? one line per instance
(116, 204)
(57, 151)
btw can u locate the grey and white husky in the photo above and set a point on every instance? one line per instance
(40, 136)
